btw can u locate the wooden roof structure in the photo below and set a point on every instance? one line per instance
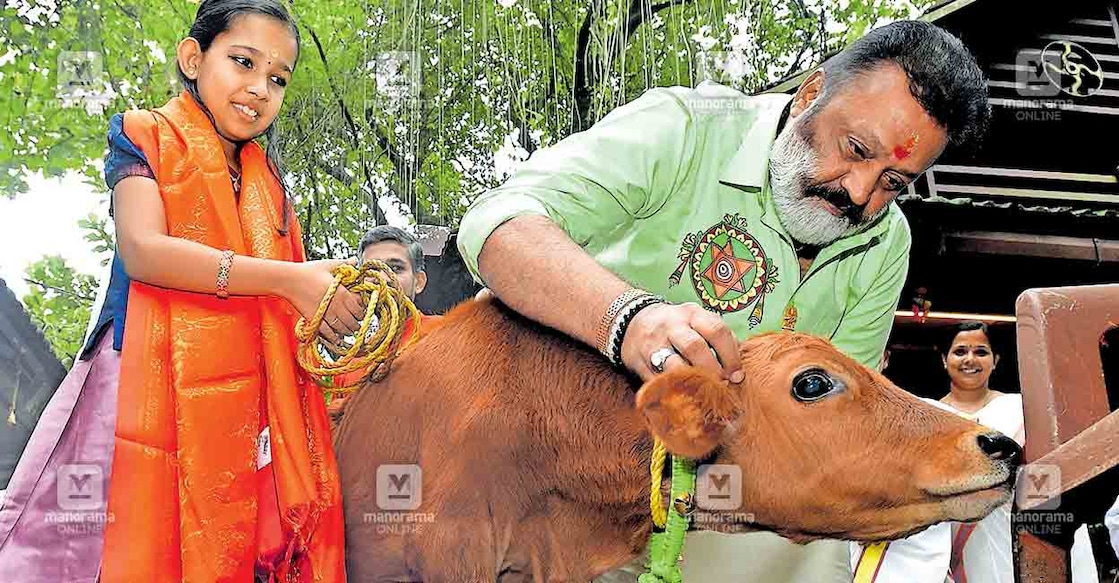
(29, 375)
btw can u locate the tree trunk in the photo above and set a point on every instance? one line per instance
(586, 81)
(584, 76)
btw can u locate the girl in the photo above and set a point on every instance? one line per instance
(221, 465)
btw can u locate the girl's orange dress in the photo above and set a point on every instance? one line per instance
(200, 378)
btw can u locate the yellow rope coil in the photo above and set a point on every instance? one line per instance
(656, 474)
(378, 340)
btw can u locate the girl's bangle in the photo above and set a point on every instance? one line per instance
(223, 273)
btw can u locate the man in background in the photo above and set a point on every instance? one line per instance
(403, 254)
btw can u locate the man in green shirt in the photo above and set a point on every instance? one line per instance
(747, 214)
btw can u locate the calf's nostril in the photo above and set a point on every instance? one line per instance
(1000, 447)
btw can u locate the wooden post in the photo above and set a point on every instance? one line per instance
(1070, 432)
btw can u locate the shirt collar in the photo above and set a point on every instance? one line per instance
(750, 165)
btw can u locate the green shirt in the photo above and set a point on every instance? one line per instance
(670, 192)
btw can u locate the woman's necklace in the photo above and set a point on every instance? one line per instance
(235, 177)
(991, 395)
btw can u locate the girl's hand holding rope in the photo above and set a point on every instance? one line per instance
(375, 342)
(306, 288)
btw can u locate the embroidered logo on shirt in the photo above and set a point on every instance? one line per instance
(729, 269)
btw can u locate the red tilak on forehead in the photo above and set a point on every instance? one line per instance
(903, 152)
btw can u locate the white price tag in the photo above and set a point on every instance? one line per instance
(263, 449)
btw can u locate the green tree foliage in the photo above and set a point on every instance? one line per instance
(60, 297)
(98, 236)
(59, 304)
(402, 111)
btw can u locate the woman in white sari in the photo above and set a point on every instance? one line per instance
(965, 552)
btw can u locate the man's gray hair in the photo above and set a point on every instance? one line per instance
(389, 233)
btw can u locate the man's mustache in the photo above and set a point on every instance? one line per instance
(840, 199)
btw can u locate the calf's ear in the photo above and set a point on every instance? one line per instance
(687, 409)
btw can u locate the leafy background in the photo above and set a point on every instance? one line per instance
(401, 111)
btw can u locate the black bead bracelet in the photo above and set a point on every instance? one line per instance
(624, 320)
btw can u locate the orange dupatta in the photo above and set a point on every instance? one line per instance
(184, 481)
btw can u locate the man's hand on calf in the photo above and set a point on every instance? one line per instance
(698, 337)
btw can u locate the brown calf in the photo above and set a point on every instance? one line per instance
(535, 453)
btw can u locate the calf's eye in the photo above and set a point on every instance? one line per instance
(813, 385)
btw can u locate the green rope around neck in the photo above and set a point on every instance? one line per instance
(665, 546)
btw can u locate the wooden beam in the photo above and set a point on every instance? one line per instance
(1023, 173)
(1059, 361)
(1076, 38)
(1013, 67)
(1066, 412)
(1091, 453)
(1028, 193)
(1091, 22)
(1026, 245)
(1017, 85)
(903, 316)
(1113, 20)
(946, 10)
(1039, 560)
(792, 82)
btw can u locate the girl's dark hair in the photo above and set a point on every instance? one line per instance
(950, 338)
(215, 17)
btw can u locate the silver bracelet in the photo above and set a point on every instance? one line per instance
(605, 326)
(622, 322)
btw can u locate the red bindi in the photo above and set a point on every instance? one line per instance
(903, 152)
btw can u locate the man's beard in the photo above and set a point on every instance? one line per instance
(792, 165)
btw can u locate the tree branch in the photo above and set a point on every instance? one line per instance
(637, 16)
(335, 171)
(795, 66)
(378, 215)
(821, 33)
(403, 173)
(383, 142)
(822, 28)
(174, 9)
(60, 291)
(524, 132)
